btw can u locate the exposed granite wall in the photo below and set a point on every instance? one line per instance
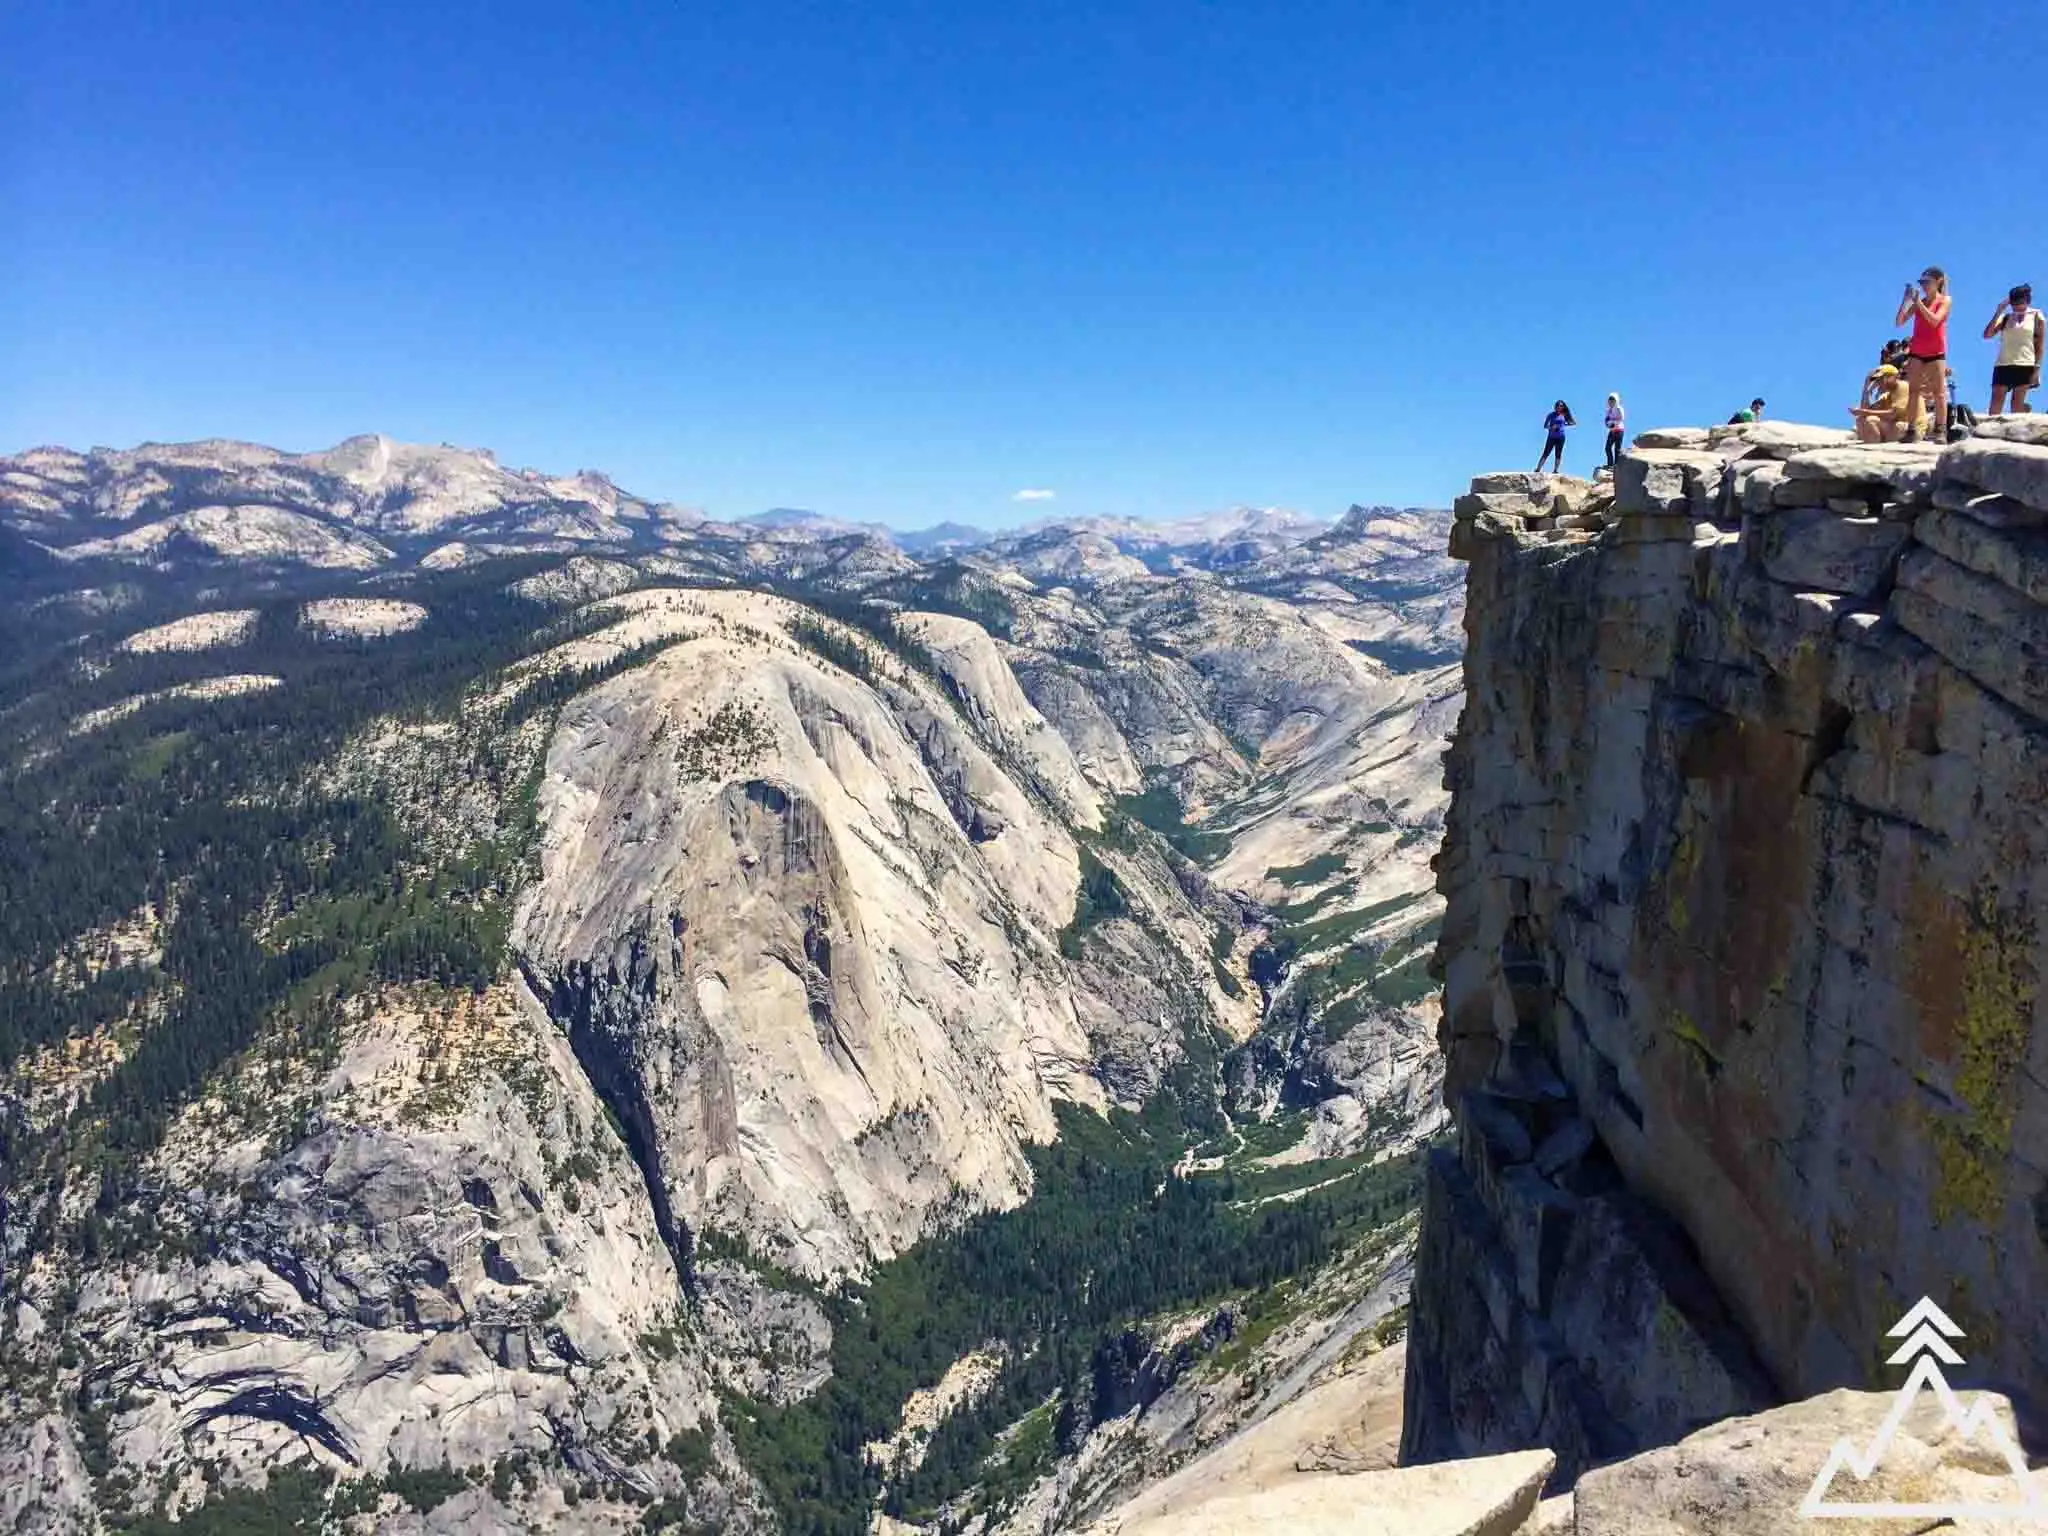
(1744, 867)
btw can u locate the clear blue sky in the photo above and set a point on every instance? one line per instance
(899, 260)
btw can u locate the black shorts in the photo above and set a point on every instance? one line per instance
(2015, 376)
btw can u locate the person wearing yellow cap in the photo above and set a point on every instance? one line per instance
(1883, 415)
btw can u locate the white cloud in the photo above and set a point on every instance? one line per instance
(1034, 495)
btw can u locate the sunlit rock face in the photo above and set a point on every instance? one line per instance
(1742, 1016)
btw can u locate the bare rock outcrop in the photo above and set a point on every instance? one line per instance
(1745, 862)
(1489, 1496)
(804, 930)
(432, 1253)
(1749, 1476)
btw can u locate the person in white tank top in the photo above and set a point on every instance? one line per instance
(2020, 329)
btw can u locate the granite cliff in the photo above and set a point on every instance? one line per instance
(1743, 1023)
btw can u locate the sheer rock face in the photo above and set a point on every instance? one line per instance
(1742, 1012)
(774, 961)
(803, 928)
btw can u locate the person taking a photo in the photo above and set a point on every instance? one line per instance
(2018, 328)
(1928, 307)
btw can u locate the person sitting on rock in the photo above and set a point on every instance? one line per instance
(1881, 417)
(1755, 412)
(1555, 425)
(2022, 344)
(1617, 421)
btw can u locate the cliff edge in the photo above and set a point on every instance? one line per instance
(1742, 1016)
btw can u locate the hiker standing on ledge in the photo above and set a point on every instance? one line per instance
(2021, 346)
(1927, 351)
(1555, 425)
(1617, 419)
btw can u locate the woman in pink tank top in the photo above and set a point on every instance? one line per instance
(1927, 352)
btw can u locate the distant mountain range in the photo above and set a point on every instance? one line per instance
(373, 505)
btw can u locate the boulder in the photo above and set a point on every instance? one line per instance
(1469, 534)
(1749, 1476)
(1819, 550)
(2015, 469)
(1672, 437)
(1501, 503)
(1660, 480)
(1755, 480)
(1569, 496)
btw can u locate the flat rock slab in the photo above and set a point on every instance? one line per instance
(1905, 467)
(1748, 1476)
(1672, 437)
(2018, 470)
(1777, 439)
(2030, 428)
(1486, 1496)
(1522, 483)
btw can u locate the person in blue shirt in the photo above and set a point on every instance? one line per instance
(1555, 425)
